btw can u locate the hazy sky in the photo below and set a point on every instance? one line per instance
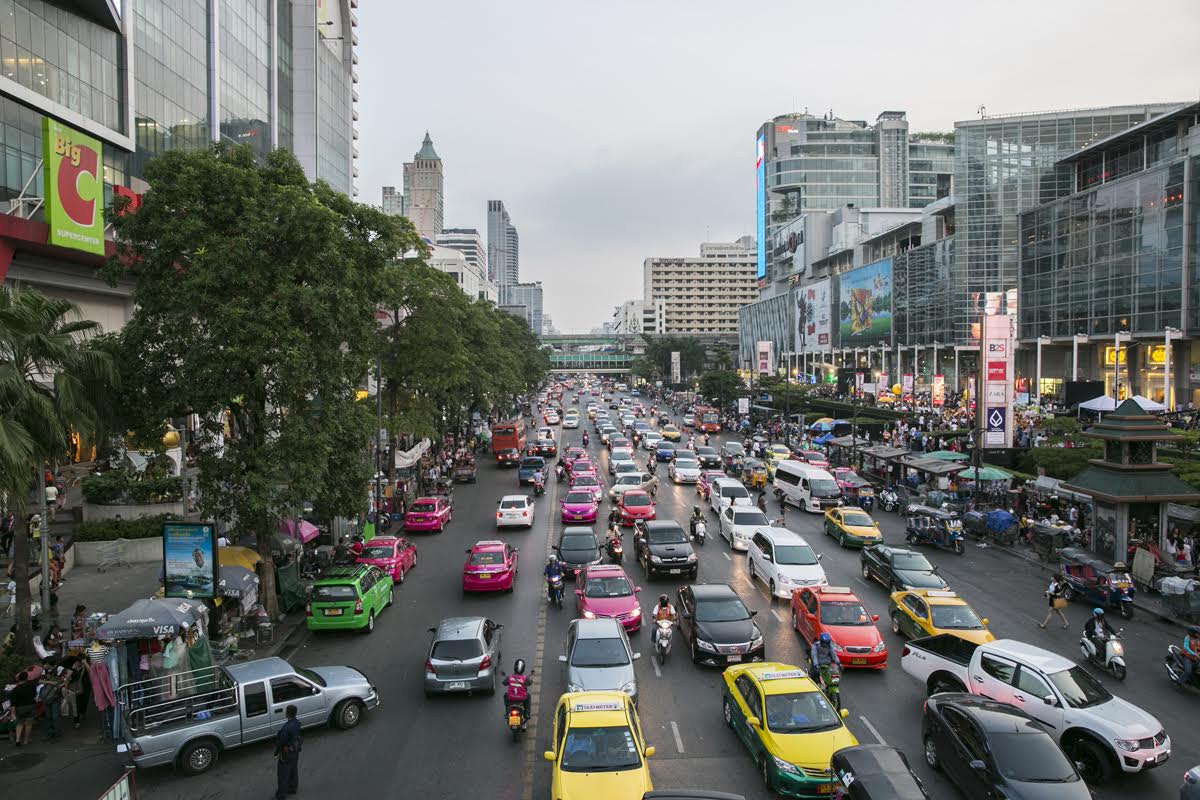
(614, 130)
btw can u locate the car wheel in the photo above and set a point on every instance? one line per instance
(750, 568)
(198, 757)
(866, 571)
(348, 714)
(896, 624)
(728, 712)
(414, 563)
(771, 586)
(931, 756)
(370, 623)
(695, 653)
(765, 770)
(1093, 761)
(795, 621)
(391, 596)
(400, 575)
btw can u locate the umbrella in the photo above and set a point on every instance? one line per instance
(152, 618)
(824, 438)
(1101, 403)
(307, 532)
(824, 419)
(984, 474)
(237, 556)
(948, 455)
(821, 426)
(237, 582)
(840, 422)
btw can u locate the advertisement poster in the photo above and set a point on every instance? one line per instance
(765, 357)
(865, 304)
(882, 383)
(73, 187)
(190, 559)
(675, 372)
(743, 405)
(906, 383)
(938, 391)
(997, 346)
(814, 318)
(858, 383)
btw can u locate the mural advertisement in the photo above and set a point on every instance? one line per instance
(189, 559)
(865, 304)
(73, 186)
(814, 323)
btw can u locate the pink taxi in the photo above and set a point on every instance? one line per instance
(605, 591)
(579, 505)
(584, 482)
(394, 555)
(705, 481)
(582, 466)
(491, 567)
(815, 457)
(573, 453)
(428, 514)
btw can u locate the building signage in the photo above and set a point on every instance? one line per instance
(676, 377)
(858, 383)
(190, 559)
(766, 357)
(743, 405)
(938, 392)
(73, 188)
(882, 383)
(906, 383)
(996, 394)
(814, 318)
(997, 370)
(865, 304)
(997, 345)
(760, 211)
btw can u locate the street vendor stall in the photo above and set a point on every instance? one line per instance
(842, 450)
(879, 463)
(932, 472)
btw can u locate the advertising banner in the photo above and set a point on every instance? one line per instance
(743, 405)
(765, 358)
(814, 318)
(190, 559)
(865, 304)
(938, 392)
(760, 207)
(906, 383)
(858, 383)
(73, 187)
(997, 344)
(676, 377)
(883, 383)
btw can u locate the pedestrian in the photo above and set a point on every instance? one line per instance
(1056, 602)
(24, 699)
(8, 528)
(51, 499)
(53, 684)
(287, 756)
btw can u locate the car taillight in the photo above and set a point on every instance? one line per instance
(524, 513)
(429, 666)
(904, 652)
(358, 606)
(498, 515)
(308, 609)
(485, 664)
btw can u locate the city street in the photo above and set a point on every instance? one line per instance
(458, 746)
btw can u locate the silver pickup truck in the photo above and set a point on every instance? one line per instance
(188, 718)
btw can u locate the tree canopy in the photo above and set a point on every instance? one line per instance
(656, 362)
(722, 387)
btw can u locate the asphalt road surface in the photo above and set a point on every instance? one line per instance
(456, 747)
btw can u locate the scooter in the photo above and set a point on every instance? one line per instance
(888, 499)
(699, 532)
(662, 642)
(560, 473)
(539, 488)
(615, 549)
(1113, 658)
(1173, 661)
(554, 588)
(830, 682)
(516, 694)
(585, 439)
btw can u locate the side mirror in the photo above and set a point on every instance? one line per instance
(563, 659)
(315, 690)
(649, 751)
(467, 551)
(637, 588)
(978, 765)
(754, 612)
(984, 621)
(579, 592)
(1050, 700)
(548, 755)
(636, 656)
(685, 614)
(753, 722)
(845, 713)
(820, 556)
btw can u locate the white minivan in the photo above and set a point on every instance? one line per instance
(783, 561)
(807, 487)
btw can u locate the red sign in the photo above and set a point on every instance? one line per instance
(997, 371)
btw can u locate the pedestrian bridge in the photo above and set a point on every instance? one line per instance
(591, 352)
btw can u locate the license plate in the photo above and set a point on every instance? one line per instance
(456, 685)
(675, 572)
(333, 612)
(733, 659)
(1162, 757)
(825, 788)
(483, 576)
(858, 661)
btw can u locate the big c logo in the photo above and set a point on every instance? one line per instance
(73, 170)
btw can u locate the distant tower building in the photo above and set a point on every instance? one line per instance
(423, 190)
(393, 202)
(503, 247)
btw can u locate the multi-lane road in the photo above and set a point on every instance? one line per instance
(458, 747)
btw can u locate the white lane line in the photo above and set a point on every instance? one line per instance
(871, 728)
(779, 615)
(727, 558)
(654, 663)
(678, 740)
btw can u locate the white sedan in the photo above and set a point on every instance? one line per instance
(738, 523)
(650, 440)
(571, 421)
(620, 467)
(514, 511)
(618, 454)
(684, 471)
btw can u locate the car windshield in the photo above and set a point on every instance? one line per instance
(334, 592)
(600, 750)
(1079, 689)
(456, 650)
(752, 517)
(512, 503)
(423, 507)
(911, 561)
(857, 520)
(685, 464)
(734, 449)
(312, 676)
(487, 558)
(798, 555)
(801, 712)
(578, 541)
(955, 617)
(735, 491)
(599, 653)
(1032, 757)
(608, 586)
(629, 480)
(729, 610)
(621, 454)
(633, 500)
(533, 462)
(824, 487)
(670, 534)
(378, 551)
(585, 480)
(626, 465)
(641, 426)
(579, 498)
(844, 614)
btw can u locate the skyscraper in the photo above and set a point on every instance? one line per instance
(393, 201)
(503, 247)
(423, 197)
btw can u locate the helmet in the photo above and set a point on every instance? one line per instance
(553, 559)
(1097, 612)
(663, 600)
(826, 638)
(519, 667)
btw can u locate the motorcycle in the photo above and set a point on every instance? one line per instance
(516, 695)
(560, 473)
(585, 439)
(1113, 657)
(615, 549)
(1173, 661)
(888, 499)
(554, 589)
(539, 488)
(830, 682)
(699, 532)
(662, 642)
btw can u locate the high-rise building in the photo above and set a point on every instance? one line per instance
(423, 190)
(503, 246)
(156, 75)
(393, 201)
(701, 295)
(466, 273)
(468, 242)
(528, 295)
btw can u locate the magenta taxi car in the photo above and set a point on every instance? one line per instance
(604, 590)
(815, 457)
(394, 555)
(634, 505)
(491, 567)
(705, 481)
(428, 514)
(582, 466)
(579, 505)
(572, 453)
(589, 483)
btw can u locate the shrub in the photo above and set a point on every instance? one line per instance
(107, 530)
(124, 488)
(1059, 462)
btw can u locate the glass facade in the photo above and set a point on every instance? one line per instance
(246, 73)
(930, 167)
(921, 293)
(284, 108)
(333, 116)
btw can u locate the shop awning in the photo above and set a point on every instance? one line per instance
(147, 619)
(933, 466)
(885, 452)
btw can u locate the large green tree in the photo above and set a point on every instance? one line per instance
(656, 362)
(256, 295)
(53, 380)
(722, 388)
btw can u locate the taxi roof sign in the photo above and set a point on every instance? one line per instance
(604, 706)
(783, 675)
(940, 593)
(835, 590)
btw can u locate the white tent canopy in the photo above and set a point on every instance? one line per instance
(1105, 403)
(1147, 404)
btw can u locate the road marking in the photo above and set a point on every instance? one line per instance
(727, 558)
(871, 728)
(779, 615)
(678, 740)
(654, 663)
(535, 695)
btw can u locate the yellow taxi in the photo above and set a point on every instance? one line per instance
(787, 724)
(591, 412)
(928, 612)
(599, 752)
(776, 453)
(671, 433)
(852, 527)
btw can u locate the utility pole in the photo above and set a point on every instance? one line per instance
(44, 528)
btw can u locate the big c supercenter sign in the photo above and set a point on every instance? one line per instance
(73, 170)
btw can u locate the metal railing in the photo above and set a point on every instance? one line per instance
(182, 697)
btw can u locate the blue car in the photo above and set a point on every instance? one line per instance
(530, 465)
(664, 451)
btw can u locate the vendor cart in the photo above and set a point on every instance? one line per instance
(1049, 539)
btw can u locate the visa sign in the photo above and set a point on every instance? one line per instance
(73, 169)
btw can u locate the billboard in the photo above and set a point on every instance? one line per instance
(73, 186)
(938, 394)
(760, 207)
(786, 248)
(997, 346)
(814, 318)
(675, 370)
(765, 357)
(190, 559)
(865, 304)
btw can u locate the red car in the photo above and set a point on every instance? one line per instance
(604, 590)
(705, 480)
(392, 554)
(634, 505)
(428, 514)
(814, 457)
(491, 567)
(836, 610)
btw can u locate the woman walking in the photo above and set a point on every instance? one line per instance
(1054, 596)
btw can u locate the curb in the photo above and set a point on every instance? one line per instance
(290, 635)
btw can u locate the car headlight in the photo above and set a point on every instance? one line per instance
(589, 615)
(785, 766)
(784, 579)
(571, 687)
(692, 558)
(1130, 745)
(880, 647)
(630, 688)
(837, 648)
(655, 560)
(703, 645)
(757, 643)
(637, 612)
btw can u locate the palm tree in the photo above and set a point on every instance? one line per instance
(52, 380)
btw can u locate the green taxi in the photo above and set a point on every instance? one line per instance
(349, 598)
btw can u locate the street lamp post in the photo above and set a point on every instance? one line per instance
(1169, 333)
(936, 345)
(1037, 389)
(1076, 340)
(1120, 336)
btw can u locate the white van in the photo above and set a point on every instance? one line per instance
(806, 486)
(782, 560)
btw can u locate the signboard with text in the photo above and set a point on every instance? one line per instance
(73, 188)
(882, 383)
(676, 375)
(765, 357)
(906, 383)
(189, 559)
(938, 392)
(814, 320)
(998, 341)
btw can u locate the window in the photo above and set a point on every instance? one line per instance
(999, 669)
(560, 725)
(1032, 684)
(749, 693)
(810, 602)
(916, 605)
(285, 690)
(254, 697)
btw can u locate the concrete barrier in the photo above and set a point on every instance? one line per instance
(96, 513)
(137, 551)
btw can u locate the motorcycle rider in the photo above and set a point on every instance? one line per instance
(539, 482)
(553, 570)
(822, 654)
(697, 518)
(1191, 654)
(1096, 630)
(664, 610)
(585, 439)
(519, 670)
(560, 472)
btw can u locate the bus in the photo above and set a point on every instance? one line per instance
(508, 434)
(707, 419)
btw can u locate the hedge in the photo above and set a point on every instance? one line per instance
(107, 530)
(122, 488)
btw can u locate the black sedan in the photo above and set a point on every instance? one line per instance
(717, 626)
(992, 749)
(663, 548)
(577, 548)
(708, 457)
(508, 457)
(546, 447)
(899, 569)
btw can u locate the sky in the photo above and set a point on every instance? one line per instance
(616, 130)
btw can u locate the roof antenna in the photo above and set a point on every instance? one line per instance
(982, 111)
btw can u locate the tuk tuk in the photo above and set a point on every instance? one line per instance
(1049, 539)
(874, 772)
(935, 526)
(998, 525)
(754, 473)
(1097, 582)
(856, 490)
(464, 470)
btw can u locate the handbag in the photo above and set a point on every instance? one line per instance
(1060, 602)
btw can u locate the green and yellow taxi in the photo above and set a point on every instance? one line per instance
(929, 612)
(776, 453)
(787, 724)
(349, 598)
(852, 527)
(599, 752)
(671, 433)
